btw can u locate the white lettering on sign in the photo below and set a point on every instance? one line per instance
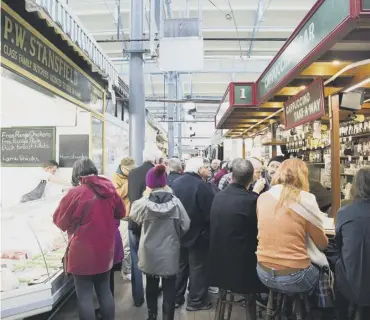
(307, 110)
(242, 94)
(304, 40)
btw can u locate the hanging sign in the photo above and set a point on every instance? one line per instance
(314, 31)
(242, 94)
(306, 106)
(25, 51)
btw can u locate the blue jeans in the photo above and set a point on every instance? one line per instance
(302, 281)
(136, 275)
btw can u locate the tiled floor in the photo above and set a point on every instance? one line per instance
(126, 310)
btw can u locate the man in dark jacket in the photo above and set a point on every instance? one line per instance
(234, 234)
(196, 196)
(175, 167)
(136, 187)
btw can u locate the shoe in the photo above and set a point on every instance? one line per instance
(139, 304)
(213, 290)
(179, 304)
(204, 307)
(98, 314)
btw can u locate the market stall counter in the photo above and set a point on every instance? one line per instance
(32, 277)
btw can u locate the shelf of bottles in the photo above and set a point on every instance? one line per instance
(355, 146)
(309, 142)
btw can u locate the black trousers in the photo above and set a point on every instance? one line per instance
(169, 296)
(85, 286)
(342, 306)
(193, 268)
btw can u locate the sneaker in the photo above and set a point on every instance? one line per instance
(204, 307)
(213, 290)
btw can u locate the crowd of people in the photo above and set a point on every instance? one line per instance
(232, 226)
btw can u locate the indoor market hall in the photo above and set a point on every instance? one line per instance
(185, 160)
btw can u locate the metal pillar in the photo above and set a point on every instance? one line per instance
(171, 88)
(179, 129)
(137, 88)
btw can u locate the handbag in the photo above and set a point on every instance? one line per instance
(36, 193)
(325, 289)
(66, 253)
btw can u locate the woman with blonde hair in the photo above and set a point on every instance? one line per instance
(290, 232)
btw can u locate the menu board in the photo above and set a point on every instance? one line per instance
(97, 143)
(73, 147)
(27, 146)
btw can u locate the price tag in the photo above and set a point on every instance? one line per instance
(361, 158)
(349, 139)
(349, 158)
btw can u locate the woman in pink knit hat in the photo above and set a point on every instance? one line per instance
(164, 221)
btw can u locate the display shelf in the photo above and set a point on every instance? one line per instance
(274, 142)
(353, 157)
(360, 135)
(32, 248)
(33, 300)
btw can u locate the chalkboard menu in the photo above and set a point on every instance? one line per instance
(27, 146)
(73, 147)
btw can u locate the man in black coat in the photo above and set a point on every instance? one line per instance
(196, 196)
(136, 187)
(233, 238)
(175, 167)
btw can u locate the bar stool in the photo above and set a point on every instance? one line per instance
(278, 306)
(226, 300)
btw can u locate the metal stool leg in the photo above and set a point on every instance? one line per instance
(279, 306)
(270, 306)
(298, 307)
(230, 309)
(250, 307)
(220, 307)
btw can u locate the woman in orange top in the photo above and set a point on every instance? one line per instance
(290, 232)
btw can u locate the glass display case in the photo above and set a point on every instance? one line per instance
(32, 247)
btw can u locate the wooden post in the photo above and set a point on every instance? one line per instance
(335, 152)
(273, 128)
(243, 149)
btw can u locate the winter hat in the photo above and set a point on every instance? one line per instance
(277, 159)
(156, 177)
(128, 163)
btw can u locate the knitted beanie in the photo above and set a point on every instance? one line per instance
(156, 177)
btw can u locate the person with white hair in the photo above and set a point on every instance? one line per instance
(196, 197)
(258, 184)
(215, 167)
(136, 188)
(175, 168)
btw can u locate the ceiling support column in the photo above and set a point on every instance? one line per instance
(137, 87)
(171, 88)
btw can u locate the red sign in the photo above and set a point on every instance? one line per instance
(306, 106)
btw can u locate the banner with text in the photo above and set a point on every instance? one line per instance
(24, 48)
(306, 106)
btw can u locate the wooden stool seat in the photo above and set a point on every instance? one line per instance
(226, 300)
(278, 305)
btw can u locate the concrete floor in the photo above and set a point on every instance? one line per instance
(125, 309)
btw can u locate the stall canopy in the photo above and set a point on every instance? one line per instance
(332, 43)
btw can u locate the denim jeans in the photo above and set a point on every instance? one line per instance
(302, 281)
(136, 275)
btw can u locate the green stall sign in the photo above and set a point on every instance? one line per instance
(330, 14)
(242, 95)
(366, 4)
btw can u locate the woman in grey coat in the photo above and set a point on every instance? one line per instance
(164, 221)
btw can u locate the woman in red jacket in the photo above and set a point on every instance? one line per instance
(88, 214)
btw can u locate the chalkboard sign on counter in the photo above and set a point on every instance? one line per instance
(27, 146)
(73, 147)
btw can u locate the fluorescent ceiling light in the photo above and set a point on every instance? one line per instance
(358, 85)
(336, 62)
